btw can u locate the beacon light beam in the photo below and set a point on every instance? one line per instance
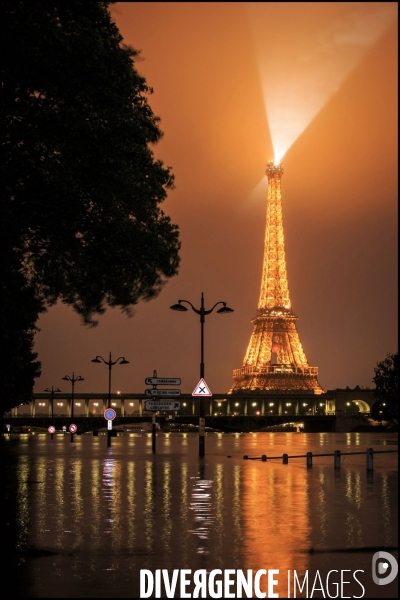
(303, 61)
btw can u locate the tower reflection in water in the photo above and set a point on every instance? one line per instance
(275, 506)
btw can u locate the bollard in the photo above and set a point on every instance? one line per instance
(264, 457)
(309, 459)
(370, 459)
(245, 457)
(285, 459)
(337, 459)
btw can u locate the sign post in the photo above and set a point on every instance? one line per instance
(162, 405)
(51, 430)
(153, 432)
(201, 390)
(156, 405)
(155, 392)
(110, 415)
(162, 380)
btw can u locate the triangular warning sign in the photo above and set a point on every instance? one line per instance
(201, 389)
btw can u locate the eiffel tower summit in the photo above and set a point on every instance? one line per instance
(275, 361)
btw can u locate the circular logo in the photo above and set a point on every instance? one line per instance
(72, 428)
(110, 414)
(51, 429)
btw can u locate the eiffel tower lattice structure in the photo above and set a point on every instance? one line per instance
(275, 361)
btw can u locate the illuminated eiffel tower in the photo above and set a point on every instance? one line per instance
(275, 359)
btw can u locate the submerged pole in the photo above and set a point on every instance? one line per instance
(370, 459)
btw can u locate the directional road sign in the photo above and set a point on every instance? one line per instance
(162, 405)
(201, 389)
(162, 381)
(73, 428)
(162, 392)
(51, 429)
(110, 414)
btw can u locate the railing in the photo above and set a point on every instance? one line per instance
(337, 454)
(276, 369)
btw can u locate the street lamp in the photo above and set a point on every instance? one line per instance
(52, 391)
(72, 379)
(202, 312)
(110, 364)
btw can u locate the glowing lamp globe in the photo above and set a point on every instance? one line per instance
(275, 347)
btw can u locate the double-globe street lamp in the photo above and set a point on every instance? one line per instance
(52, 391)
(72, 379)
(121, 360)
(202, 312)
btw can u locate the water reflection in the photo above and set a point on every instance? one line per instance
(149, 508)
(93, 502)
(23, 510)
(386, 510)
(276, 516)
(203, 510)
(107, 513)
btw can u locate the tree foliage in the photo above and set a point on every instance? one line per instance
(19, 310)
(82, 188)
(386, 381)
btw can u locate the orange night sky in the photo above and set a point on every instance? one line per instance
(235, 83)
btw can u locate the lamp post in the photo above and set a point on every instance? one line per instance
(121, 360)
(52, 391)
(202, 312)
(72, 379)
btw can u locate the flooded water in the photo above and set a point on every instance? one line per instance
(86, 519)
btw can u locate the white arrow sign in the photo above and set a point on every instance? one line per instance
(162, 392)
(201, 389)
(162, 381)
(162, 405)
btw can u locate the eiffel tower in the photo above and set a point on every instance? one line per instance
(275, 361)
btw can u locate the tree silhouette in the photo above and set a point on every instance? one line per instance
(386, 381)
(82, 188)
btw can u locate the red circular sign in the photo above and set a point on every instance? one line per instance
(72, 428)
(51, 429)
(110, 414)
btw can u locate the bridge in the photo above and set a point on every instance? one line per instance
(224, 412)
(333, 402)
(94, 405)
